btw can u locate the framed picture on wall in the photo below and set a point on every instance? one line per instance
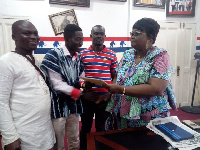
(119, 0)
(61, 19)
(150, 3)
(180, 8)
(81, 3)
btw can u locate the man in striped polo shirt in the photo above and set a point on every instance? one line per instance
(99, 63)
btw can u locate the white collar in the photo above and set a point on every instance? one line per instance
(66, 51)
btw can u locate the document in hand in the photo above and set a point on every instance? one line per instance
(174, 132)
(95, 81)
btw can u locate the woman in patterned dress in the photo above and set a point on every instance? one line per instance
(143, 89)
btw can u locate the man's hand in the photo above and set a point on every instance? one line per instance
(16, 145)
(90, 95)
(88, 85)
(105, 97)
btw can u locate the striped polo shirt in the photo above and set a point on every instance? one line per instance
(99, 66)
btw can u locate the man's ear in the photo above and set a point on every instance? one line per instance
(13, 37)
(67, 39)
(91, 36)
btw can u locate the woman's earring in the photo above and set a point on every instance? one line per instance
(147, 44)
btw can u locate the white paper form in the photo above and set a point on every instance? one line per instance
(188, 144)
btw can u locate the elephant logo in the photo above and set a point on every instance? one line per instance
(111, 44)
(56, 44)
(41, 44)
(122, 43)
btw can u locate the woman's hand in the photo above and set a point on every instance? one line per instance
(154, 86)
(114, 88)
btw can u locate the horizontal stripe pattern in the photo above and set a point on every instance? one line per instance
(114, 44)
(85, 39)
(197, 47)
(89, 39)
(115, 49)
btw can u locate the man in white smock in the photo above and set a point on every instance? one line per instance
(25, 122)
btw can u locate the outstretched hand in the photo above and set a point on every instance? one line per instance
(114, 88)
(16, 145)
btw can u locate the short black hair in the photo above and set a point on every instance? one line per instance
(97, 26)
(149, 26)
(70, 29)
(16, 24)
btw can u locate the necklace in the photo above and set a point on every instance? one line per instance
(145, 54)
(32, 58)
(132, 72)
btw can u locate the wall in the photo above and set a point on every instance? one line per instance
(116, 17)
(100, 12)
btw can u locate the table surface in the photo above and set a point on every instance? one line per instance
(127, 139)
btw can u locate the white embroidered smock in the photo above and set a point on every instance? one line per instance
(24, 104)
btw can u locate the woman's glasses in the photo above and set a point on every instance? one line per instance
(136, 33)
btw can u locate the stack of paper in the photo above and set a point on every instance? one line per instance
(187, 144)
(194, 124)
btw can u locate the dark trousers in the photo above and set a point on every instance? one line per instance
(89, 109)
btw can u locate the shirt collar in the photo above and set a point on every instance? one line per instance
(66, 52)
(90, 48)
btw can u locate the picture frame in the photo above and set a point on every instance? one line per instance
(150, 3)
(61, 19)
(119, 0)
(180, 8)
(80, 3)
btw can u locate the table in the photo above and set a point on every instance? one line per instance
(127, 139)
